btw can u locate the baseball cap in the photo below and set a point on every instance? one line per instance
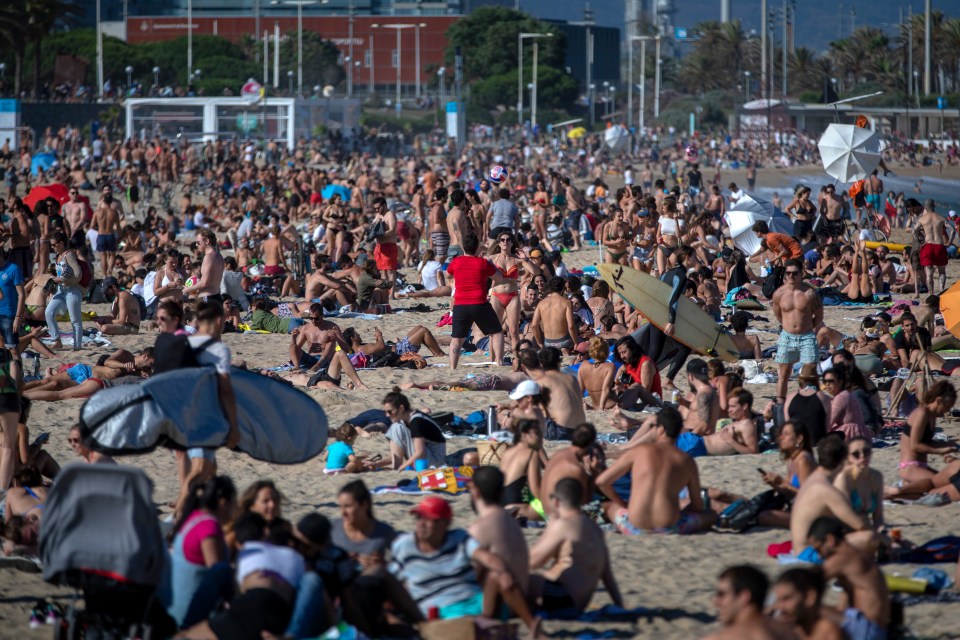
(433, 508)
(951, 214)
(524, 389)
(108, 282)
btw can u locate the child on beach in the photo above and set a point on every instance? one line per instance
(341, 458)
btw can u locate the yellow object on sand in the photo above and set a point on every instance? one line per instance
(903, 584)
(84, 315)
(893, 246)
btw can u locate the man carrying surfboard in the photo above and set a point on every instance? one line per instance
(799, 309)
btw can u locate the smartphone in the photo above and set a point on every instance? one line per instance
(41, 439)
(762, 472)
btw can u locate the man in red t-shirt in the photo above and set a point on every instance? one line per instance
(782, 246)
(471, 304)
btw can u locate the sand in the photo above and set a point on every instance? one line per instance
(671, 576)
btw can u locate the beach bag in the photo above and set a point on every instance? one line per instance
(743, 514)
(416, 359)
(945, 549)
(772, 282)
(359, 360)
(174, 352)
(86, 275)
(385, 358)
(376, 230)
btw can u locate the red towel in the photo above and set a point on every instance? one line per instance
(778, 548)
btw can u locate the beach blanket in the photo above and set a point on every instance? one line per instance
(97, 340)
(607, 613)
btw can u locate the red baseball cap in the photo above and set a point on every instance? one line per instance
(433, 508)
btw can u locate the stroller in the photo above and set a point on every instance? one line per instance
(100, 535)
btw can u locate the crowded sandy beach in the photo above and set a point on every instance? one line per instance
(495, 430)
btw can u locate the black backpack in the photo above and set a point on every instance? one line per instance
(772, 282)
(174, 352)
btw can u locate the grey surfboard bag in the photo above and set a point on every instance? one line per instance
(181, 409)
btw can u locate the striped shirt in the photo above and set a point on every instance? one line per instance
(436, 579)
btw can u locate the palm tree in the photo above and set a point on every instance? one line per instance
(948, 50)
(12, 19)
(806, 72)
(42, 16)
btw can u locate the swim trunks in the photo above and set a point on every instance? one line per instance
(386, 256)
(688, 524)
(793, 348)
(933, 255)
(79, 373)
(106, 243)
(857, 625)
(873, 201)
(692, 444)
(440, 241)
(559, 343)
(405, 346)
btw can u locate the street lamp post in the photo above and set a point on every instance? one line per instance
(99, 54)
(656, 90)
(399, 28)
(299, 4)
(643, 77)
(350, 48)
(156, 77)
(371, 88)
(290, 81)
(129, 71)
(520, 38)
(189, 41)
(606, 107)
(746, 86)
(416, 33)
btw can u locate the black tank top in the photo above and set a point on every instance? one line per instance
(738, 277)
(808, 410)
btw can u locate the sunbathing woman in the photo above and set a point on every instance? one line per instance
(120, 363)
(860, 288)
(432, 278)
(415, 338)
(27, 495)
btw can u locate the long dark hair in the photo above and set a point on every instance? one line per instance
(635, 351)
(357, 490)
(206, 496)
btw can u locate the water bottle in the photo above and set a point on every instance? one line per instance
(492, 419)
(36, 365)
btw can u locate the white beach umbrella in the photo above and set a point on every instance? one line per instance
(849, 153)
(617, 138)
(749, 210)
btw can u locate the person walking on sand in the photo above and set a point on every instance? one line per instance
(68, 293)
(933, 252)
(470, 302)
(799, 309)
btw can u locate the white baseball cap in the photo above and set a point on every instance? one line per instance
(524, 389)
(951, 214)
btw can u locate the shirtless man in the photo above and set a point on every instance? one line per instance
(873, 192)
(458, 224)
(740, 596)
(819, 497)
(553, 318)
(211, 269)
(74, 213)
(124, 318)
(497, 530)
(566, 396)
(325, 362)
(933, 252)
(888, 270)
(798, 309)
(386, 252)
(583, 461)
(322, 286)
(439, 232)
(21, 239)
(312, 334)
(868, 598)
(106, 222)
(831, 208)
(659, 472)
(701, 407)
(271, 251)
(798, 594)
(574, 548)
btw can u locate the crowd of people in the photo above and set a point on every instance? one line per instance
(272, 241)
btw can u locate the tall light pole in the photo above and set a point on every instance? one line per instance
(350, 48)
(763, 45)
(99, 54)
(643, 77)
(299, 4)
(746, 86)
(290, 81)
(399, 28)
(784, 61)
(656, 90)
(927, 77)
(372, 85)
(520, 38)
(129, 71)
(533, 89)
(416, 33)
(156, 77)
(189, 40)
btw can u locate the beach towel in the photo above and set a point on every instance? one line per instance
(95, 339)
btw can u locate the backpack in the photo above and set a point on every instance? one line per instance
(772, 282)
(174, 352)
(86, 275)
(385, 358)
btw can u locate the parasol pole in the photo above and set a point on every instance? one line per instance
(854, 99)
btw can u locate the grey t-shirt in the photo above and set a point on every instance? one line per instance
(503, 213)
(379, 540)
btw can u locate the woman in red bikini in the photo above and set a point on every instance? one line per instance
(504, 298)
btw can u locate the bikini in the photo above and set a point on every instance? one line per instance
(926, 438)
(857, 503)
(513, 273)
(616, 256)
(39, 504)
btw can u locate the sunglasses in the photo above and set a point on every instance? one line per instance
(861, 453)
(829, 381)
(73, 440)
(504, 239)
(791, 273)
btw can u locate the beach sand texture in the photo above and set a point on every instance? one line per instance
(672, 576)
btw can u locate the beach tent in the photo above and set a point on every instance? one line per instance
(331, 189)
(749, 210)
(42, 162)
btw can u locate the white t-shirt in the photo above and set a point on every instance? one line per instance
(262, 556)
(149, 286)
(628, 177)
(215, 353)
(230, 285)
(735, 196)
(428, 275)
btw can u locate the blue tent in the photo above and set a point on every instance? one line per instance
(42, 162)
(336, 189)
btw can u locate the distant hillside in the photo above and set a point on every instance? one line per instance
(817, 20)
